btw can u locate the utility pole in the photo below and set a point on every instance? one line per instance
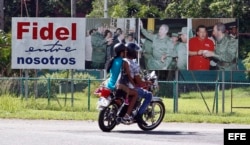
(1, 15)
(35, 70)
(105, 16)
(73, 8)
(37, 8)
(73, 14)
(105, 8)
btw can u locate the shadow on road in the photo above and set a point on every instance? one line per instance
(156, 132)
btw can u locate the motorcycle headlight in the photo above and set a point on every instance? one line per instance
(104, 101)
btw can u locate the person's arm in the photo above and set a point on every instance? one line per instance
(140, 82)
(127, 71)
(146, 34)
(137, 78)
(97, 41)
(194, 53)
(229, 55)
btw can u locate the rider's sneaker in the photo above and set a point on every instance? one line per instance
(127, 118)
(140, 120)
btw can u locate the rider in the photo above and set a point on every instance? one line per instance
(115, 66)
(132, 49)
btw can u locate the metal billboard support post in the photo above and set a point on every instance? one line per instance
(89, 81)
(73, 14)
(217, 97)
(72, 87)
(26, 84)
(217, 87)
(48, 90)
(231, 73)
(223, 91)
(105, 16)
(176, 94)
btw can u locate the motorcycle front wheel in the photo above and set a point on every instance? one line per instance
(153, 116)
(107, 117)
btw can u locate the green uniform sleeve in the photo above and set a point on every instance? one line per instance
(97, 40)
(229, 55)
(147, 35)
(171, 48)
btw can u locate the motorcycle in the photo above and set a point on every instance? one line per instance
(112, 108)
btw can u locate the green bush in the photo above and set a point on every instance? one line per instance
(60, 80)
(10, 104)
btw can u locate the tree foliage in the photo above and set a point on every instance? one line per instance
(5, 51)
(47, 8)
(127, 8)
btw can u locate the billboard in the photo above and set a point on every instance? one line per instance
(48, 43)
(214, 45)
(164, 44)
(102, 34)
(88, 43)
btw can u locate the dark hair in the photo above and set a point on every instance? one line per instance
(132, 49)
(106, 32)
(118, 31)
(201, 26)
(131, 34)
(119, 48)
(91, 31)
(131, 54)
(221, 27)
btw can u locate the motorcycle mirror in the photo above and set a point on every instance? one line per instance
(152, 74)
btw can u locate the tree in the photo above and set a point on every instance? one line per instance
(47, 8)
(1, 15)
(5, 42)
(199, 8)
(173, 10)
(98, 8)
(122, 9)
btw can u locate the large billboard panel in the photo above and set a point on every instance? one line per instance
(48, 43)
(164, 44)
(102, 34)
(214, 45)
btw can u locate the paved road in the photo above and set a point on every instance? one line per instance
(53, 132)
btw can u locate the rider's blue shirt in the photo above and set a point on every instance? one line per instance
(114, 72)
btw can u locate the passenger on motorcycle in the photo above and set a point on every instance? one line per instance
(114, 67)
(132, 49)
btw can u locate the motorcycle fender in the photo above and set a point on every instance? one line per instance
(155, 99)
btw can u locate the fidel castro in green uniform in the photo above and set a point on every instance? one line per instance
(226, 48)
(99, 45)
(162, 48)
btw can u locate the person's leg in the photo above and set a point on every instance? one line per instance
(147, 99)
(134, 96)
(126, 89)
(147, 96)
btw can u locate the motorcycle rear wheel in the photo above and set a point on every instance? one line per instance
(107, 117)
(153, 116)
